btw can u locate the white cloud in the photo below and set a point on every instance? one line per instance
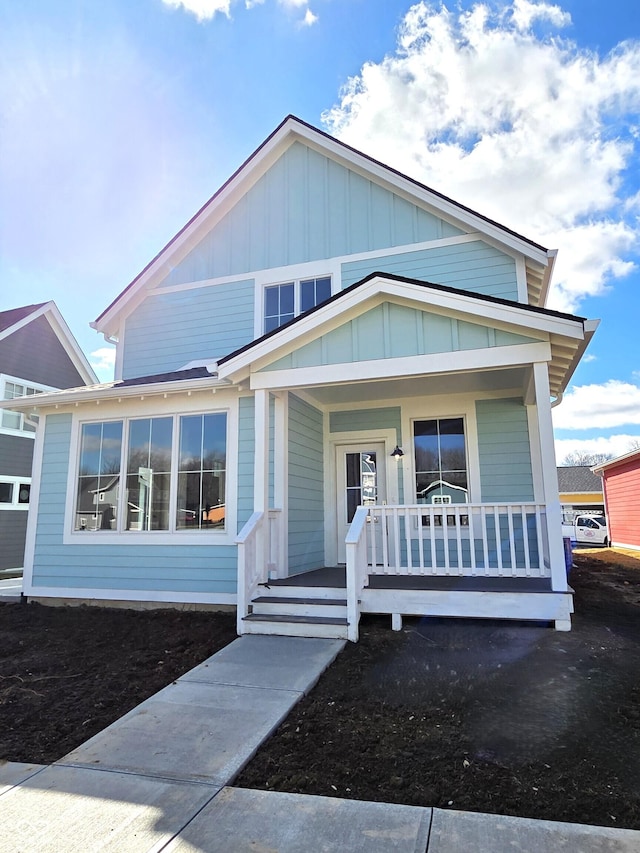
(612, 404)
(615, 445)
(528, 129)
(103, 361)
(204, 10)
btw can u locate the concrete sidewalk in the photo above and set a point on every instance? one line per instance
(157, 779)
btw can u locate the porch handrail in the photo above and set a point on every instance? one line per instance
(356, 568)
(504, 538)
(252, 567)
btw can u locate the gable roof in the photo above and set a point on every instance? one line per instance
(578, 478)
(14, 315)
(293, 129)
(569, 335)
(14, 319)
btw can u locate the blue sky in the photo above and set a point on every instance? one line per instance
(119, 119)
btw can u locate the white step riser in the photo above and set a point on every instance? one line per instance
(318, 592)
(337, 611)
(293, 629)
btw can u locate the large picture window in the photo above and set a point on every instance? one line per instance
(11, 389)
(441, 461)
(169, 484)
(283, 302)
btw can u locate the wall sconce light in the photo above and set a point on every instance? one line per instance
(397, 452)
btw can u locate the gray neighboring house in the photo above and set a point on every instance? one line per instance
(37, 353)
(580, 490)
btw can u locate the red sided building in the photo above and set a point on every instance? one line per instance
(621, 488)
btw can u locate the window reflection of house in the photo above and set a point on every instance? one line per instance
(442, 492)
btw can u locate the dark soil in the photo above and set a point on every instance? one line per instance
(68, 672)
(508, 718)
(496, 717)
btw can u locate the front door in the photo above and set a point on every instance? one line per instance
(360, 481)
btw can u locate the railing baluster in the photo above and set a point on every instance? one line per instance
(512, 542)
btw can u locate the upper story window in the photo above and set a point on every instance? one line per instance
(283, 302)
(10, 389)
(169, 483)
(15, 492)
(441, 461)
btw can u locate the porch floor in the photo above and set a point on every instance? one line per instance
(335, 577)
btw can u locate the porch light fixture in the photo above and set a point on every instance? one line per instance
(397, 452)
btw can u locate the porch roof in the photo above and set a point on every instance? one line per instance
(567, 334)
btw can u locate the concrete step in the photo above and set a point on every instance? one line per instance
(296, 626)
(290, 606)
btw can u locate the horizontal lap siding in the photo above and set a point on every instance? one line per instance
(180, 569)
(305, 208)
(504, 449)
(168, 330)
(306, 487)
(16, 456)
(13, 529)
(473, 266)
(34, 353)
(622, 489)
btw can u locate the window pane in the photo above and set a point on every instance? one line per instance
(149, 465)
(307, 294)
(6, 493)
(323, 289)
(286, 298)
(353, 469)
(24, 492)
(201, 478)
(11, 420)
(440, 459)
(98, 476)
(271, 301)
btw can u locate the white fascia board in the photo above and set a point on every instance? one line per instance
(56, 399)
(392, 368)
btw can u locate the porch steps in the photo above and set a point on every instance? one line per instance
(294, 610)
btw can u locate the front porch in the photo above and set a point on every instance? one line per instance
(465, 560)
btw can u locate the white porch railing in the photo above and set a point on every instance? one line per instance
(357, 567)
(492, 540)
(252, 565)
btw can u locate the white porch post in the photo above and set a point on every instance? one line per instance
(261, 471)
(550, 477)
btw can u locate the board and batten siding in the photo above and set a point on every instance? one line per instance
(171, 329)
(179, 569)
(395, 331)
(306, 487)
(307, 207)
(473, 266)
(504, 450)
(246, 453)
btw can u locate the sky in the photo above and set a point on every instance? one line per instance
(119, 119)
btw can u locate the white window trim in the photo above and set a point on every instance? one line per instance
(440, 417)
(156, 537)
(16, 482)
(6, 377)
(296, 273)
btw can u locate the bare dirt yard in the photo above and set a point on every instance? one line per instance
(509, 718)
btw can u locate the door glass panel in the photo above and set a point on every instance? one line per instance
(361, 481)
(369, 479)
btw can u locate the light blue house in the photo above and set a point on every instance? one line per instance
(333, 396)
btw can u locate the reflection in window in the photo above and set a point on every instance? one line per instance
(149, 474)
(202, 471)
(98, 476)
(440, 460)
(361, 481)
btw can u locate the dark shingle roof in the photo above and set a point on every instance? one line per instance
(14, 315)
(172, 376)
(578, 478)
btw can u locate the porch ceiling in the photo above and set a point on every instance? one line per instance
(420, 386)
